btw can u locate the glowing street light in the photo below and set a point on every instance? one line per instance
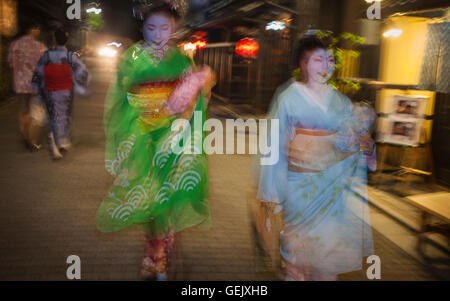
(394, 33)
(276, 25)
(108, 52)
(189, 46)
(118, 45)
(94, 10)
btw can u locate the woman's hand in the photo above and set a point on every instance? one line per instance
(269, 207)
(367, 145)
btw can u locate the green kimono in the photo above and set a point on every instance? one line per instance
(163, 191)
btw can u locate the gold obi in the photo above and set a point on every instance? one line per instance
(313, 151)
(149, 100)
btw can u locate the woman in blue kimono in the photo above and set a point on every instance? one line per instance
(59, 73)
(319, 181)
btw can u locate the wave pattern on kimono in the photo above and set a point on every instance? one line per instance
(58, 96)
(161, 190)
(325, 210)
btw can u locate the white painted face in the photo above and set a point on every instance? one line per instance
(320, 66)
(157, 30)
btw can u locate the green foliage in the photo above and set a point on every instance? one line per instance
(352, 85)
(297, 74)
(95, 21)
(335, 42)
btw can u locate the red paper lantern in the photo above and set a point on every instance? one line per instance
(247, 48)
(200, 44)
(191, 46)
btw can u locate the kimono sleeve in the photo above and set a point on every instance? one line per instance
(273, 178)
(119, 119)
(81, 75)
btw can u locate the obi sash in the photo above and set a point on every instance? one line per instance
(313, 151)
(58, 77)
(149, 100)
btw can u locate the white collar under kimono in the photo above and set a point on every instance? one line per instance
(323, 102)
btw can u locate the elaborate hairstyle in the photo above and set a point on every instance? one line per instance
(307, 44)
(142, 9)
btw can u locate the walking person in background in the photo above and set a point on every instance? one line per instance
(23, 55)
(58, 75)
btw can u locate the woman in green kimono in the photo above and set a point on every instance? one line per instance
(164, 191)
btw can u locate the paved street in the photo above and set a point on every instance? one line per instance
(47, 212)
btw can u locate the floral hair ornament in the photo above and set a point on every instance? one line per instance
(141, 7)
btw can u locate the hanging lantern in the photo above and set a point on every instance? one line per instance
(247, 48)
(200, 44)
(187, 46)
(192, 46)
(8, 18)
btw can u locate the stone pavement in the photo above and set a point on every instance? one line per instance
(47, 212)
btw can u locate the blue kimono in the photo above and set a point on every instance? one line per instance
(320, 187)
(67, 74)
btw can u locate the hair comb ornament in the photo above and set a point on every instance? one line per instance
(180, 6)
(141, 7)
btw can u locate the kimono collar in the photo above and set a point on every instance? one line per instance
(158, 54)
(322, 102)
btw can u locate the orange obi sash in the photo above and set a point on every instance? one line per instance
(149, 99)
(300, 131)
(313, 151)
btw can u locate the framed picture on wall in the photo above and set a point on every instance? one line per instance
(403, 131)
(409, 106)
(404, 124)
